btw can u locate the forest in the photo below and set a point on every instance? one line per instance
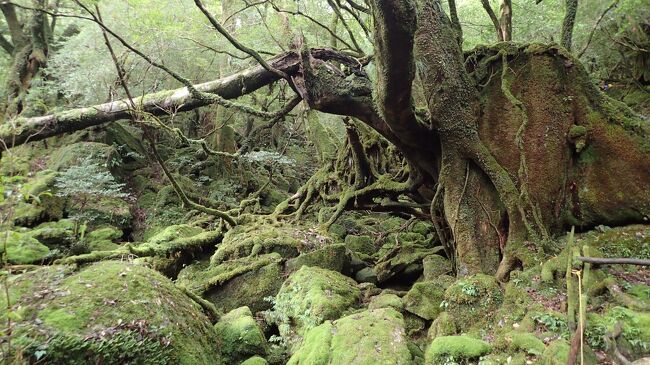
(314, 182)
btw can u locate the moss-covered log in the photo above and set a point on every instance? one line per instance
(21, 130)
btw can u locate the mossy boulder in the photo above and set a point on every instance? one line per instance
(255, 360)
(455, 348)
(23, 249)
(443, 325)
(425, 297)
(39, 204)
(435, 266)
(366, 275)
(333, 257)
(310, 296)
(59, 234)
(239, 336)
(374, 337)
(103, 314)
(521, 341)
(236, 283)
(473, 300)
(556, 353)
(287, 240)
(403, 260)
(103, 239)
(386, 300)
(362, 244)
(174, 232)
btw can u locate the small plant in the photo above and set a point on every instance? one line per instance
(469, 289)
(553, 323)
(84, 183)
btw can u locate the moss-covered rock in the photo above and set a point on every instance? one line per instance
(366, 275)
(22, 248)
(521, 341)
(255, 360)
(556, 353)
(174, 232)
(239, 336)
(59, 234)
(103, 314)
(386, 300)
(103, 239)
(363, 244)
(403, 260)
(424, 299)
(374, 337)
(435, 266)
(471, 301)
(310, 296)
(455, 348)
(443, 325)
(105, 211)
(286, 240)
(331, 257)
(236, 283)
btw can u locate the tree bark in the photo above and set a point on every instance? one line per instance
(506, 20)
(571, 9)
(30, 50)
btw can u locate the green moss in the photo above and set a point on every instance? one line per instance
(72, 154)
(556, 353)
(521, 341)
(472, 300)
(248, 240)
(386, 300)
(368, 338)
(22, 248)
(331, 257)
(55, 234)
(424, 299)
(28, 215)
(236, 283)
(363, 244)
(435, 266)
(628, 241)
(443, 325)
(96, 315)
(310, 296)
(577, 131)
(174, 232)
(456, 347)
(403, 260)
(239, 336)
(255, 360)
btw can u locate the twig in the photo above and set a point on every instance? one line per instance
(614, 261)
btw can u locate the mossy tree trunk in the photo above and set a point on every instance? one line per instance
(28, 47)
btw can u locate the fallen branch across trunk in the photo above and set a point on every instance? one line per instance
(615, 261)
(22, 130)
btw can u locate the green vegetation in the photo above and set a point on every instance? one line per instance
(335, 182)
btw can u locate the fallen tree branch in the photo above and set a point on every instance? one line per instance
(614, 261)
(21, 130)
